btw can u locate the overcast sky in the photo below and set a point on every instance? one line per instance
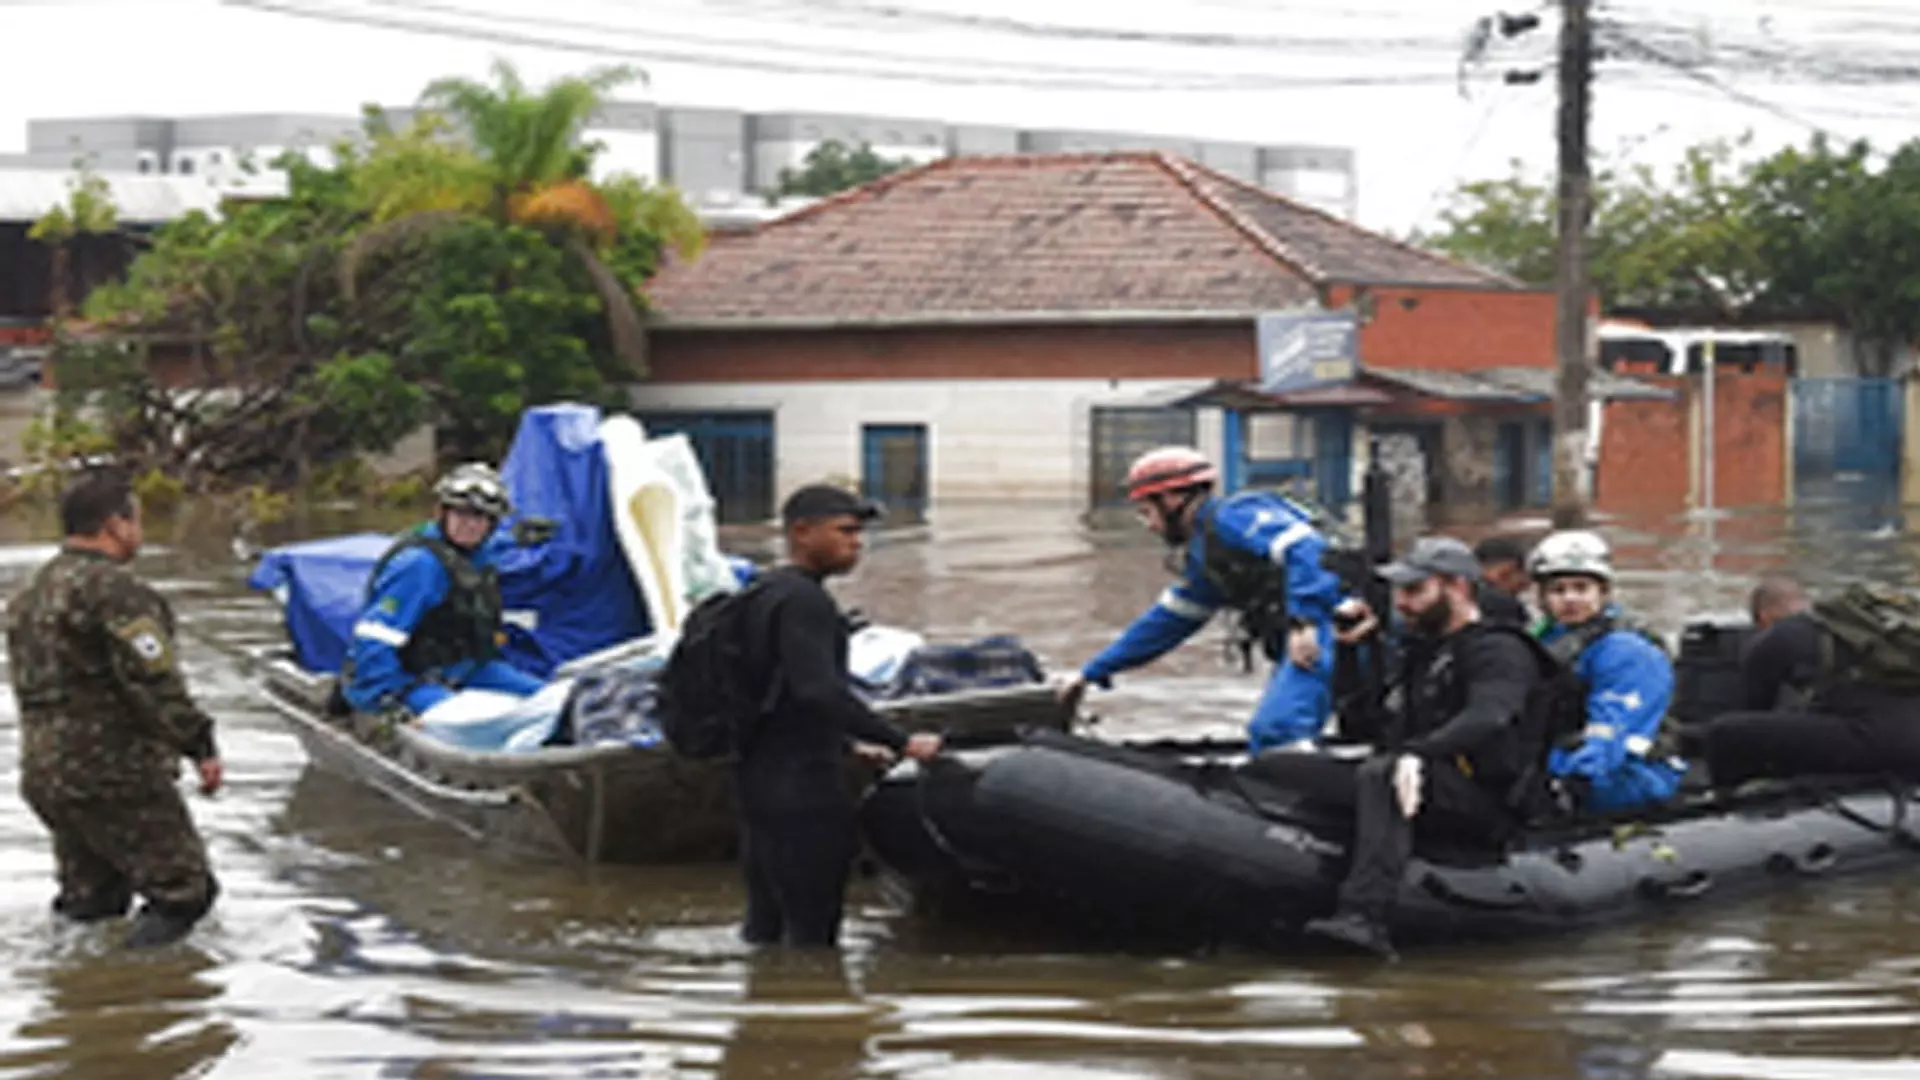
(1273, 70)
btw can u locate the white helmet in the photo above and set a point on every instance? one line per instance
(1576, 551)
(475, 486)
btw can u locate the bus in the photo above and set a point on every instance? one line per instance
(1628, 348)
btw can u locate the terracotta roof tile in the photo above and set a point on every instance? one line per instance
(1333, 250)
(1031, 234)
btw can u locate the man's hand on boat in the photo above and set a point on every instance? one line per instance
(872, 753)
(921, 746)
(1354, 621)
(1070, 690)
(212, 774)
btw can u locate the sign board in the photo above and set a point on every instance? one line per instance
(1301, 350)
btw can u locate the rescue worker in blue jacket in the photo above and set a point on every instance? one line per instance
(1625, 679)
(433, 617)
(1255, 552)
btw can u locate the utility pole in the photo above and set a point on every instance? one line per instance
(1571, 279)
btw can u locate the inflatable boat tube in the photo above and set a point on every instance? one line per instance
(1169, 843)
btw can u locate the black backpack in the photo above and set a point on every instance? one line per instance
(709, 696)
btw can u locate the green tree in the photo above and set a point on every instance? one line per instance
(88, 211)
(1841, 241)
(1680, 240)
(417, 278)
(1820, 232)
(831, 167)
(525, 167)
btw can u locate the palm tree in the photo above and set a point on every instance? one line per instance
(523, 165)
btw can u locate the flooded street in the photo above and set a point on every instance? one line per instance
(354, 940)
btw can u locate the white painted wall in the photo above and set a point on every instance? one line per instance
(635, 152)
(1024, 439)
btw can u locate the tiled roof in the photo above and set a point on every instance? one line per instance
(1072, 235)
(1332, 250)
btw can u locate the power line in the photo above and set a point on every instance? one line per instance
(1202, 39)
(1151, 81)
(1128, 75)
(1631, 44)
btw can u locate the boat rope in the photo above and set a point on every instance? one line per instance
(1896, 826)
(980, 875)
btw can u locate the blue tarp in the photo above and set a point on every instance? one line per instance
(321, 585)
(577, 585)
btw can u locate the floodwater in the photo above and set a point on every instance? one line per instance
(354, 940)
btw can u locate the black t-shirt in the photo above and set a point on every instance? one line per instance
(793, 758)
(1784, 656)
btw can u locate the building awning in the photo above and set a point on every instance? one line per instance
(1513, 384)
(1247, 396)
(1388, 386)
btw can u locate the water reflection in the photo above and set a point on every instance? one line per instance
(99, 1009)
(356, 940)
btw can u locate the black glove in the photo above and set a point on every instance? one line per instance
(531, 531)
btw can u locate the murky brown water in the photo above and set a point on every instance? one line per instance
(356, 941)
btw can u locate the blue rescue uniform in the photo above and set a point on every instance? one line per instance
(411, 585)
(1279, 532)
(1628, 683)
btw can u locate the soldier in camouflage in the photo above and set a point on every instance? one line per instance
(105, 717)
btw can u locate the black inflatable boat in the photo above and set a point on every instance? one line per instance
(1171, 843)
(1188, 842)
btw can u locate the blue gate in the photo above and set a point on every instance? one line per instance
(1847, 437)
(736, 451)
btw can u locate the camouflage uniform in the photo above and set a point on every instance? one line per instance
(104, 720)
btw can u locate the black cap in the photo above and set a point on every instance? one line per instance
(1431, 555)
(824, 501)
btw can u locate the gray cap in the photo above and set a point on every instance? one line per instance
(1429, 556)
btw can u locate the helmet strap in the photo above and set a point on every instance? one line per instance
(1174, 507)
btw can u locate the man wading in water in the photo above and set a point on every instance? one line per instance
(105, 718)
(797, 817)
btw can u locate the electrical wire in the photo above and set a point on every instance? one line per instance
(1036, 69)
(1150, 81)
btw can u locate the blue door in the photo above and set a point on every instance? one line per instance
(736, 452)
(893, 467)
(1847, 441)
(1333, 457)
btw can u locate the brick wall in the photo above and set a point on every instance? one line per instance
(1648, 460)
(1189, 351)
(1455, 329)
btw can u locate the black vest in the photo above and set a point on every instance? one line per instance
(1252, 585)
(1433, 692)
(465, 624)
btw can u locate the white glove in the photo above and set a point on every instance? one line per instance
(1408, 771)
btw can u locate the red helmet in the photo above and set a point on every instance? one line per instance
(1169, 468)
